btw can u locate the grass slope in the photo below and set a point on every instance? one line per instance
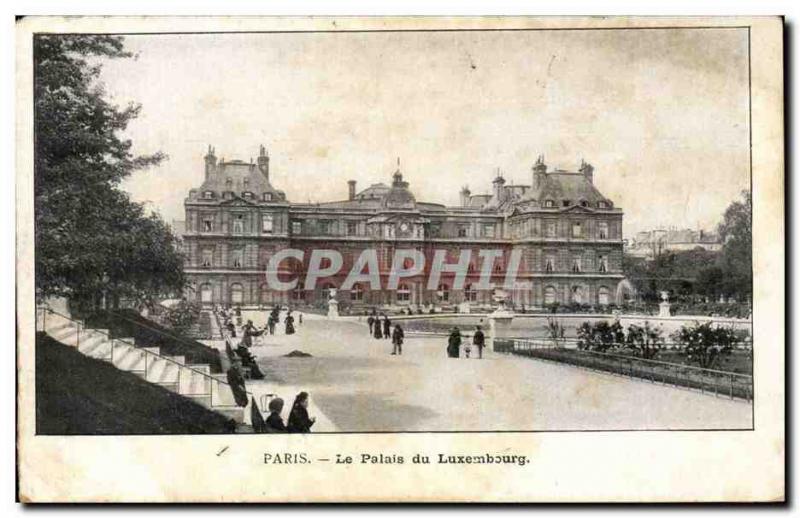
(80, 395)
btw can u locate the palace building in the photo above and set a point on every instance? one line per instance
(567, 234)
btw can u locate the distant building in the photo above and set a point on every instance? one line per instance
(649, 244)
(570, 236)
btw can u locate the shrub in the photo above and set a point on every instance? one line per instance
(645, 341)
(555, 331)
(706, 344)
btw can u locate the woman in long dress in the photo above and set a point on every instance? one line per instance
(289, 321)
(299, 421)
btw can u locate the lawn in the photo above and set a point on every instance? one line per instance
(77, 395)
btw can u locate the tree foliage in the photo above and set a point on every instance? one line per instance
(90, 237)
(600, 336)
(702, 274)
(645, 341)
(705, 344)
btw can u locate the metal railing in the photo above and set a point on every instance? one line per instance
(223, 392)
(711, 381)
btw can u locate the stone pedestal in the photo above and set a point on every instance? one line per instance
(499, 325)
(663, 309)
(333, 308)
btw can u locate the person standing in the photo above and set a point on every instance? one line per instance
(397, 339)
(271, 324)
(370, 322)
(376, 328)
(454, 343)
(387, 327)
(299, 421)
(479, 340)
(289, 323)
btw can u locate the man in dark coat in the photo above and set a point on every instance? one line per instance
(479, 341)
(454, 343)
(387, 327)
(289, 323)
(370, 322)
(397, 339)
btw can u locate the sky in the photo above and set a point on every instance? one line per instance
(662, 115)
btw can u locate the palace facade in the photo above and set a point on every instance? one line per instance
(569, 238)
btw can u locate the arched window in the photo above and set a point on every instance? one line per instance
(470, 293)
(549, 295)
(443, 293)
(602, 296)
(403, 293)
(357, 293)
(237, 293)
(577, 295)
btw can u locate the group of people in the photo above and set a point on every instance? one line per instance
(381, 328)
(454, 343)
(299, 421)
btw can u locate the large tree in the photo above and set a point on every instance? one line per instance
(91, 239)
(736, 261)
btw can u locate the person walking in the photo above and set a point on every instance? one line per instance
(299, 421)
(454, 343)
(479, 340)
(387, 327)
(397, 340)
(370, 322)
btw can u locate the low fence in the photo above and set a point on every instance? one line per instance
(729, 384)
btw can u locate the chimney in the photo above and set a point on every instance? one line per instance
(263, 162)
(211, 162)
(539, 172)
(465, 196)
(351, 190)
(498, 183)
(587, 170)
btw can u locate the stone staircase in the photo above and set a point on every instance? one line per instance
(193, 381)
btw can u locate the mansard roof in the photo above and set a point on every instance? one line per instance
(239, 176)
(559, 186)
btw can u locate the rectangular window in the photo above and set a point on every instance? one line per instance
(238, 258)
(462, 231)
(488, 230)
(549, 264)
(576, 229)
(352, 228)
(603, 267)
(602, 230)
(208, 195)
(266, 223)
(238, 224)
(550, 229)
(208, 225)
(297, 227)
(324, 226)
(207, 258)
(576, 265)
